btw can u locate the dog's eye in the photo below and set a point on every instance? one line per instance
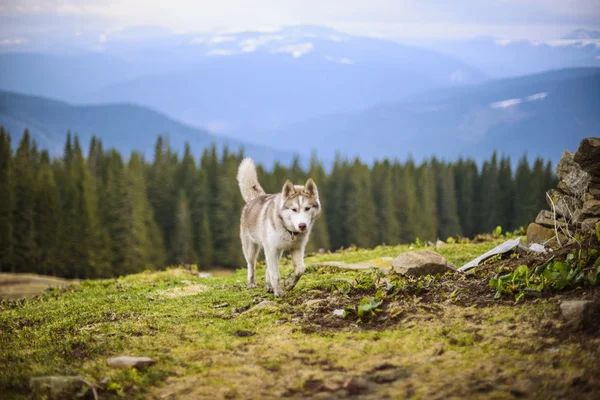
(294, 210)
(307, 209)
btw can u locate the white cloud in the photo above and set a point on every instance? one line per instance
(597, 57)
(570, 42)
(219, 52)
(335, 38)
(251, 44)
(296, 50)
(342, 60)
(13, 42)
(198, 40)
(506, 103)
(537, 96)
(221, 39)
(102, 38)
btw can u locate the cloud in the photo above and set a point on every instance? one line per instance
(13, 42)
(219, 52)
(506, 103)
(221, 39)
(296, 50)
(251, 44)
(537, 96)
(342, 60)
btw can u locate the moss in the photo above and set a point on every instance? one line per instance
(206, 346)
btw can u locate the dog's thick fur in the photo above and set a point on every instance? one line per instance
(277, 223)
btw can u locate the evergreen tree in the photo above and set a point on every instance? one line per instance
(506, 195)
(524, 205)
(447, 214)
(490, 196)
(183, 244)
(406, 201)
(335, 213)
(48, 219)
(319, 238)
(427, 227)
(465, 182)
(23, 211)
(361, 216)
(6, 203)
(204, 238)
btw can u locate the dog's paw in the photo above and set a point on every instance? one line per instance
(279, 293)
(251, 286)
(289, 284)
(269, 289)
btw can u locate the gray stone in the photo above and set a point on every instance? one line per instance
(573, 180)
(422, 262)
(537, 233)
(130, 362)
(595, 192)
(589, 223)
(563, 204)
(56, 387)
(579, 313)
(588, 156)
(590, 209)
(265, 305)
(546, 218)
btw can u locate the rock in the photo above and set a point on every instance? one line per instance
(422, 262)
(130, 362)
(56, 387)
(588, 156)
(537, 233)
(590, 209)
(563, 204)
(595, 192)
(589, 223)
(573, 180)
(537, 248)
(265, 305)
(578, 313)
(546, 218)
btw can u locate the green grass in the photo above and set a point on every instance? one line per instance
(182, 322)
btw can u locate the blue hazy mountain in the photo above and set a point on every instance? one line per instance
(126, 127)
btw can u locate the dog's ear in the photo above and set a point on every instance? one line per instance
(310, 187)
(288, 189)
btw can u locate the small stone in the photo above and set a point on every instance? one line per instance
(588, 156)
(545, 236)
(573, 180)
(130, 362)
(422, 262)
(563, 204)
(590, 209)
(578, 313)
(265, 306)
(546, 218)
(589, 223)
(339, 312)
(330, 385)
(55, 386)
(537, 248)
(356, 385)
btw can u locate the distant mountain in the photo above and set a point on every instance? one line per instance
(500, 58)
(123, 126)
(540, 114)
(227, 83)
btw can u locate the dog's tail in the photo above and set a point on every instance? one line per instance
(248, 180)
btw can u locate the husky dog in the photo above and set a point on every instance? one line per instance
(277, 223)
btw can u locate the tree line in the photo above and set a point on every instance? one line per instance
(102, 215)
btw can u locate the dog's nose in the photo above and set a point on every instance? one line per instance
(302, 226)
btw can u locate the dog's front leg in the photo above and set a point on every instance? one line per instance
(299, 268)
(272, 258)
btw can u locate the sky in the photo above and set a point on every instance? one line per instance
(509, 19)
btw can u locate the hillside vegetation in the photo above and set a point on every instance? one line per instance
(432, 337)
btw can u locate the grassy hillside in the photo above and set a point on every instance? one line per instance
(433, 337)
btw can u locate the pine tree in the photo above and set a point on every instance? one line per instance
(361, 217)
(506, 195)
(183, 244)
(319, 238)
(490, 194)
(6, 203)
(447, 213)
(427, 227)
(23, 210)
(465, 182)
(335, 213)
(48, 219)
(406, 201)
(523, 200)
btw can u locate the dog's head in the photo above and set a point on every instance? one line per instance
(301, 205)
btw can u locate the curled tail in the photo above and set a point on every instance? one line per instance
(248, 180)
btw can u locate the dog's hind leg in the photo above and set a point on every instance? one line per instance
(299, 268)
(268, 281)
(251, 251)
